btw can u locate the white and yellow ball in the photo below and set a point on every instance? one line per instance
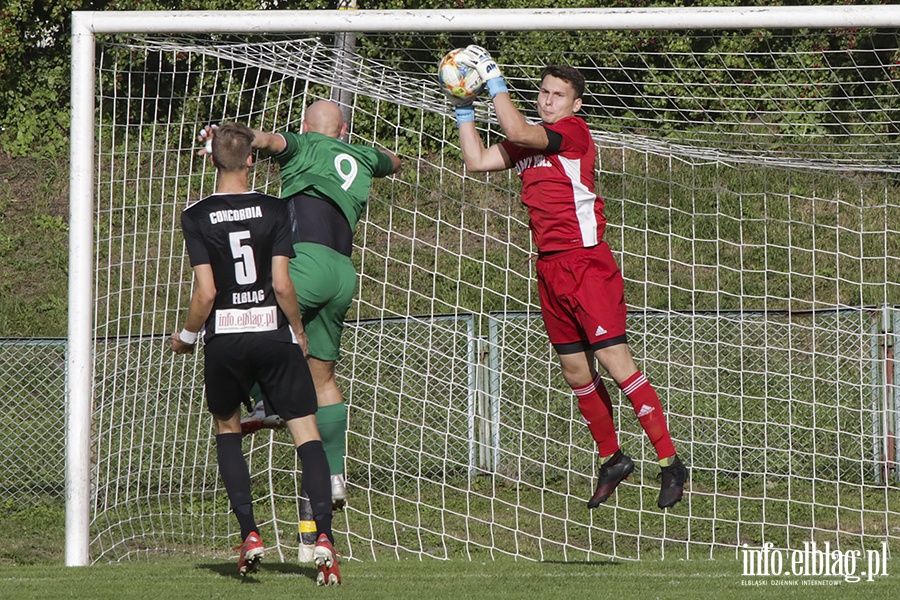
(458, 79)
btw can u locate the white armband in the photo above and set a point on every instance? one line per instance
(188, 337)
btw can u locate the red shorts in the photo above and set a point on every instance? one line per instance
(582, 299)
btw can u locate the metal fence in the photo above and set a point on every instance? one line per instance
(32, 445)
(751, 393)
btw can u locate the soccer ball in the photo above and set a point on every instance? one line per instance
(458, 79)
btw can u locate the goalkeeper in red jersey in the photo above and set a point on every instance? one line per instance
(581, 288)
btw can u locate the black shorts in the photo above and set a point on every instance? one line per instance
(234, 362)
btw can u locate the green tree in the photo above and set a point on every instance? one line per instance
(35, 47)
(34, 64)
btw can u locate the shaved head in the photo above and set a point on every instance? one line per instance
(324, 117)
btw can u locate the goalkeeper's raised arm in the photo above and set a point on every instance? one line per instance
(517, 130)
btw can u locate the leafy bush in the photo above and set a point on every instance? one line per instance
(35, 48)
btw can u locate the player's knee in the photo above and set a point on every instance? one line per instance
(576, 377)
(617, 361)
(322, 372)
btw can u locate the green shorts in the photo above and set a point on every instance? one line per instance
(325, 281)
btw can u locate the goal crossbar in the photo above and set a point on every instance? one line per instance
(329, 21)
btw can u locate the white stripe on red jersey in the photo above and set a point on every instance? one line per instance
(558, 189)
(584, 200)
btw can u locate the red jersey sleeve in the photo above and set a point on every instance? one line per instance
(576, 138)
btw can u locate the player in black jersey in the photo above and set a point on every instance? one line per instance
(239, 243)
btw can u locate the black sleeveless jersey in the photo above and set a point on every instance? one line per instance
(237, 235)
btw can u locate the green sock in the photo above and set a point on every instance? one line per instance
(666, 462)
(605, 459)
(332, 421)
(255, 396)
(256, 393)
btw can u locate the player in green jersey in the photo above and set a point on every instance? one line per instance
(327, 182)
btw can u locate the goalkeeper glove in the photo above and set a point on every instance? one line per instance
(480, 59)
(465, 109)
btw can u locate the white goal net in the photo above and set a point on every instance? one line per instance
(750, 182)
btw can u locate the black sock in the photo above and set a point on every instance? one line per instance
(317, 484)
(244, 514)
(236, 476)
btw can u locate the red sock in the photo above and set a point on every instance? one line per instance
(596, 408)
(649, 412)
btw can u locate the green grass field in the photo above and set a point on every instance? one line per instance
(192, 577)
(32, 566)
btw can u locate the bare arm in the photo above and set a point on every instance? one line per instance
(268, 143)
(202, 300)
(477, 157)
(286, 296)
(395, 160)
(516, 128)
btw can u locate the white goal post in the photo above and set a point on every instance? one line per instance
(756, 232)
